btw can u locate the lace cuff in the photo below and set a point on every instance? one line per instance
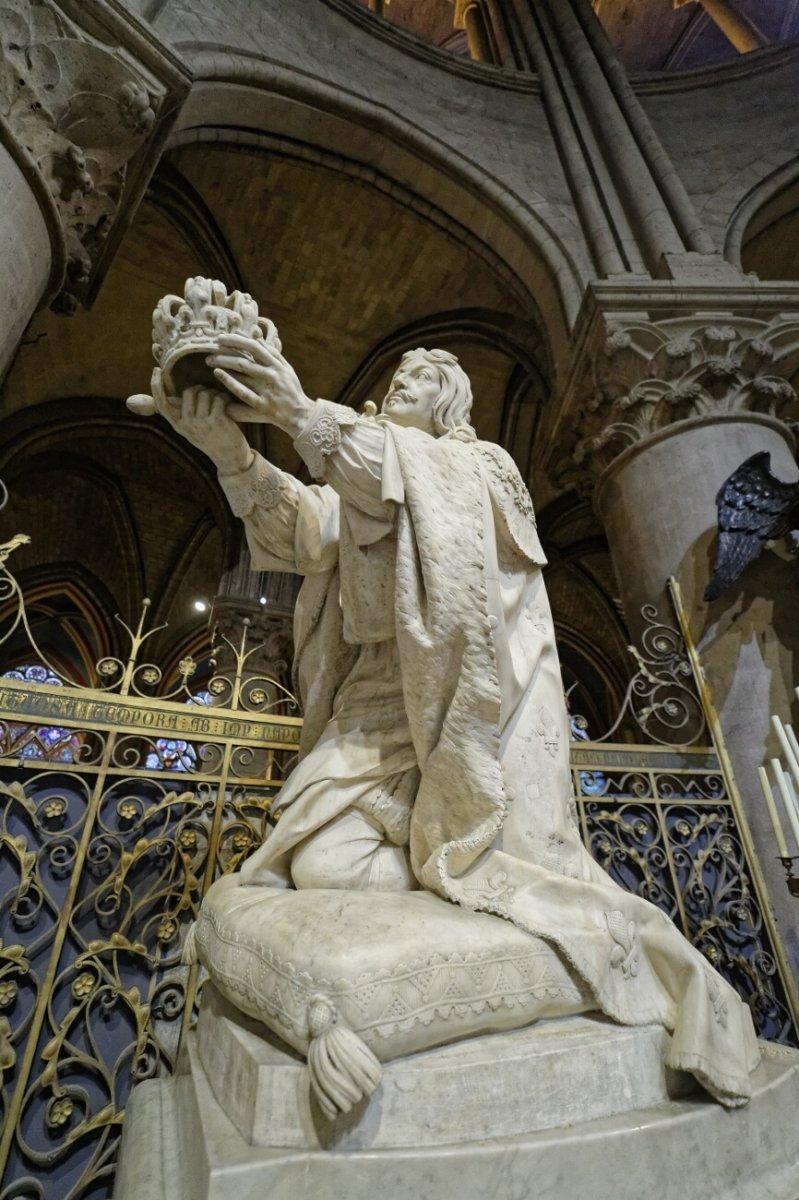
(260, 486)
(321, 437)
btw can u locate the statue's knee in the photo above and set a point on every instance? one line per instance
(314, 866)
(326, 860)
(390, 870)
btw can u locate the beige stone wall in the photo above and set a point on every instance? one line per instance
(729, 131)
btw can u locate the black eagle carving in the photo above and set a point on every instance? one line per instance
(754, 507)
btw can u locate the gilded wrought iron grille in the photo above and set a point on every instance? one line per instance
(121, 806)
(662, 815)
(662, 824)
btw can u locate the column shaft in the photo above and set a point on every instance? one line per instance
(638, 188)
(568, 128)
(680, 205)
(25, 254)
(477, 34)
(742, 32)
(635, 210)
(511, 51)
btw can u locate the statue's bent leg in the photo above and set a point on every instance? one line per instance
(352, 852)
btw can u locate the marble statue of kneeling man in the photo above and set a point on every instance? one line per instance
(426, 880)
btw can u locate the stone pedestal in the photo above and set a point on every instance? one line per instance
(476, 1119)
(552, 1074)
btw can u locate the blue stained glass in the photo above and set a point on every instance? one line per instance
(592, 783)
(48, 743)
(172, 754)
(34, 674)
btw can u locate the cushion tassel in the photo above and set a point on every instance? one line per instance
(342, 1067)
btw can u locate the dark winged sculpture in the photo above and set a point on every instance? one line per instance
(754, 507)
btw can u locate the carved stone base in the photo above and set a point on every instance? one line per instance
(551, 1074)
(180, 1145)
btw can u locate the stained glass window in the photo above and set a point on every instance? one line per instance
(46, 742)
(592, 783)
(174, 754)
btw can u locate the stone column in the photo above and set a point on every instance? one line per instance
(87, 99)
(669, 409)
(26, 252)
(635, 212)
(508, 50)
(265, 600)
(737, 28)
(469, 16)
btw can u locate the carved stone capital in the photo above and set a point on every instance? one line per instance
(87, 97)
(635, 377)
(268, 643)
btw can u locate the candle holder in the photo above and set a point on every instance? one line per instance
(791, 879)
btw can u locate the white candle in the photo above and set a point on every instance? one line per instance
(791, 736)
(791, 759)
(768, 796)
(787, 798)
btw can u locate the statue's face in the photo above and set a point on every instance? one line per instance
(412, 393)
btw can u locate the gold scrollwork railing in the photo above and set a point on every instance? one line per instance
(118, 809)
(665, 819)
(662, 822)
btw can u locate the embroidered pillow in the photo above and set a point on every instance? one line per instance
(405, 971)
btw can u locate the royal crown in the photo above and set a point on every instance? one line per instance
(187, 328)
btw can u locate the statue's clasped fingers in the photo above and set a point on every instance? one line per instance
(197, 403)
(254, 348)
(238, 388)
(256, 374)
(242, 366)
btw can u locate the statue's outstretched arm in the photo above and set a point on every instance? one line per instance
(338, 446)
(289, 526)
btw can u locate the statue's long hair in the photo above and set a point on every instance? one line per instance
(452, 409)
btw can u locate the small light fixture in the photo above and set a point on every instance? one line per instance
(200, 606)
(262, 600)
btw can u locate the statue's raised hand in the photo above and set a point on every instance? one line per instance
(199, 415)
(262, 381)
